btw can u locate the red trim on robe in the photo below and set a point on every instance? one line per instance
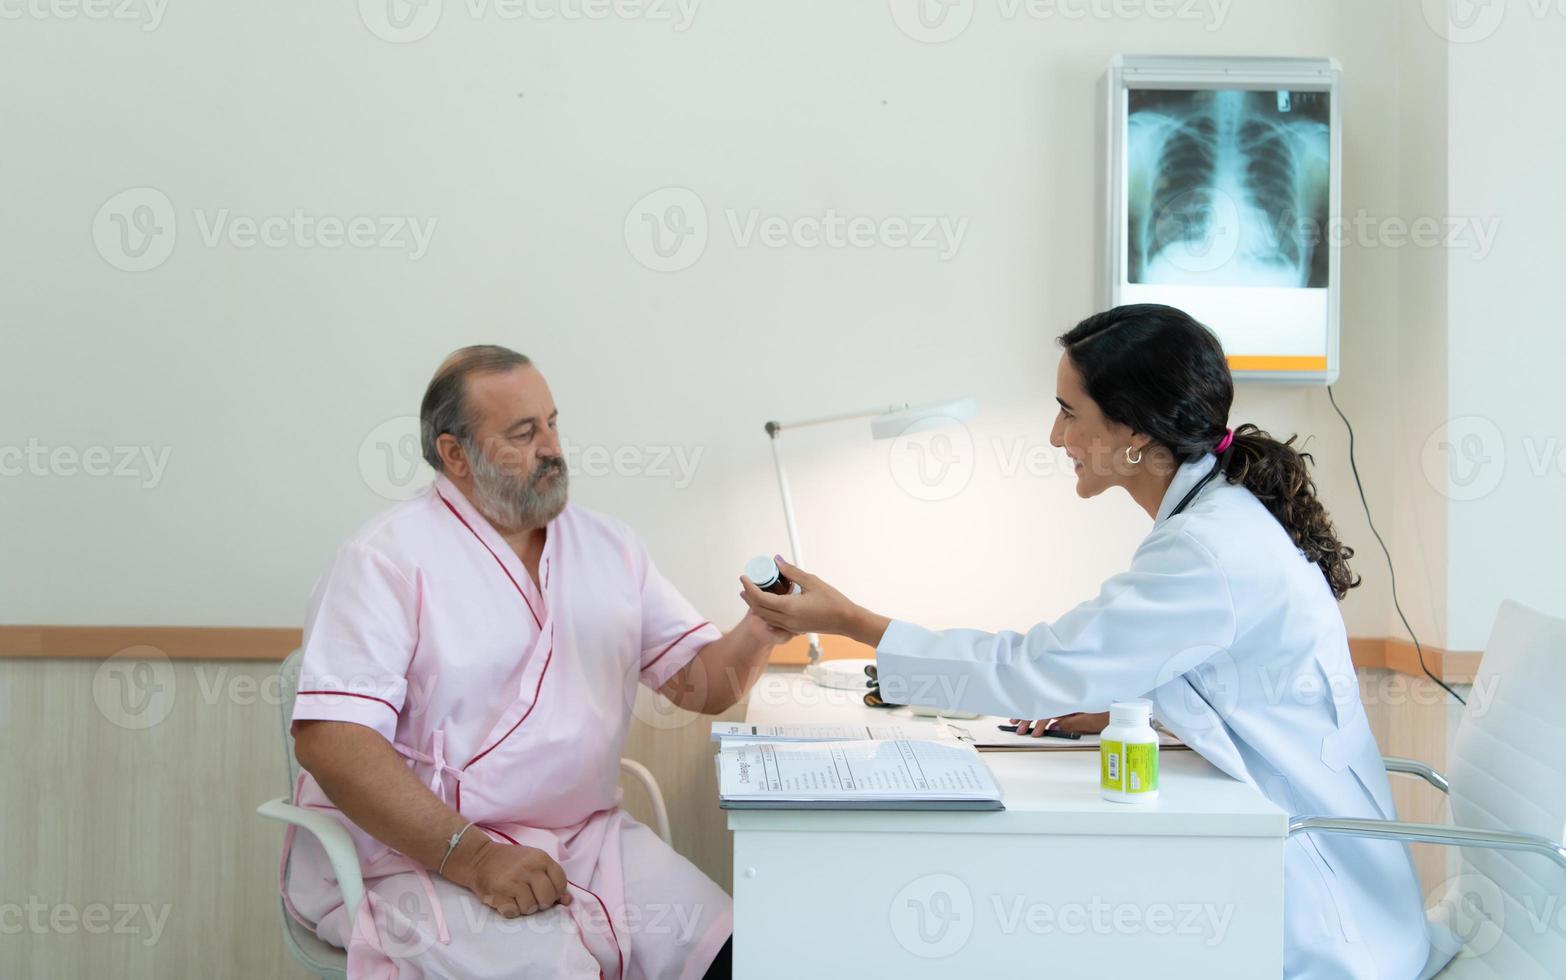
(348, 694)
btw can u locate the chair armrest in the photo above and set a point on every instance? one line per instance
(660, 812)
(334, 839)
(1413, 767)
(1431, 833)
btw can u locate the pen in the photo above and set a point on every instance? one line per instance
(1048, 732)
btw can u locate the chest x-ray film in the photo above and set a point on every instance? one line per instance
(1223, 200)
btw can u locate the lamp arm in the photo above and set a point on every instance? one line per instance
(788, 520)
(773, 428)
(889, 423)
(788, 502)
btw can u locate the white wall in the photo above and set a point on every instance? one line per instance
(263, 371)
(1507, 474)
(1417, 522)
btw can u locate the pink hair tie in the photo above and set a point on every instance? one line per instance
(1228, 437)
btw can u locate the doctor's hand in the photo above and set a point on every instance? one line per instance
(1081, 722)
(512, 879)
(818, 608)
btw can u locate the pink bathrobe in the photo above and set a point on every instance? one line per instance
(511, 701)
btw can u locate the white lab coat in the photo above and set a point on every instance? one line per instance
(1237, 638)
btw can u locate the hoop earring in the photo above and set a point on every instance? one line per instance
(1138, 459)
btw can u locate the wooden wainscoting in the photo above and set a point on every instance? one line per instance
(117, 804)
(142, 802)
(1411, 717)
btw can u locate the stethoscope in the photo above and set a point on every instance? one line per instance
(1212, 474)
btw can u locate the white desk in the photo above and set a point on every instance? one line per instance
(1061, 883)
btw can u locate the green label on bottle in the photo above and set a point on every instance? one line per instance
(1128, 768)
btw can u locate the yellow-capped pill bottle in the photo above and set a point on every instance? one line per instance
(1128, 753)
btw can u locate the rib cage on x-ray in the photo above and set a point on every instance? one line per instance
(1226, 188)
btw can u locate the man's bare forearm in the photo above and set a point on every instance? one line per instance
(367, 780)
(722, 671)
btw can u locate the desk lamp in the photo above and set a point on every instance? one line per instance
(887, 423)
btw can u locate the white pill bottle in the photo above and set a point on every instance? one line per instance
(1128, 754)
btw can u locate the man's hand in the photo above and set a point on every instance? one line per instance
(759, 630)
(512, 879)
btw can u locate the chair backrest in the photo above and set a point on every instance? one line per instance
(288, 686)
(1505, 774)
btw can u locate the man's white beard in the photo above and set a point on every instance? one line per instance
(512, 502)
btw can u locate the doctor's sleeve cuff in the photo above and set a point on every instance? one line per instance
(904, 640)
(915, 665)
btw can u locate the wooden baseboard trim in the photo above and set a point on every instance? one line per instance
(174, 642)
(267, 643)
(1396, 654)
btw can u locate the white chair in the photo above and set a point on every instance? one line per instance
(317, 955)
(1508, 802)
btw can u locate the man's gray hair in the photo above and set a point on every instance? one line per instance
(445, 401)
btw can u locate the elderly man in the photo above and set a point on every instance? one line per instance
(469, 667)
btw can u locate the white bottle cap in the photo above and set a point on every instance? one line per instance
(1135, 712)
(762, 570)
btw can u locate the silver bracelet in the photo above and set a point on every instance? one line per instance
(451, 845)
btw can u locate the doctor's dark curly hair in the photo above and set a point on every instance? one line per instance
(1156, 369)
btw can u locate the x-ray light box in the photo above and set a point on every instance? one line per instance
(1223, 199)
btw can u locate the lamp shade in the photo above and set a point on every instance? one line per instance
(922, 418)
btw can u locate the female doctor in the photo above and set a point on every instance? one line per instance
(1227, 619)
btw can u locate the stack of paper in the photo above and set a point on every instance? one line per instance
(898, 774)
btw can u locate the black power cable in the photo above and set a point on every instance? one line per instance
(1391, 572)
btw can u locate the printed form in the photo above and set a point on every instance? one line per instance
(896, 771)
